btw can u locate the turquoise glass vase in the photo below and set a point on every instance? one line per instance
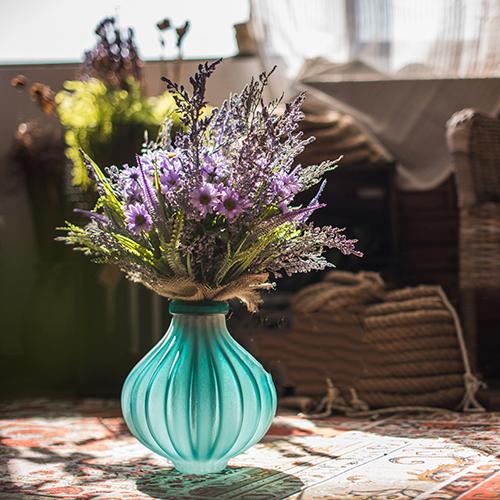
(198, 398)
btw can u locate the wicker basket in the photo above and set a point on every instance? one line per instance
(474, 141)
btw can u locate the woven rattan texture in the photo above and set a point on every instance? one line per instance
(474, 141)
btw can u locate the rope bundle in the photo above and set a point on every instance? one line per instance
(393, 348)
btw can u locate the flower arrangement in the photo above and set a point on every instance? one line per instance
(210, 216)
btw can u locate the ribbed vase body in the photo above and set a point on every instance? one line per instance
(198, 398)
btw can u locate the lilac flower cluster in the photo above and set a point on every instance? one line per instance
(217, 204)
(215, 191)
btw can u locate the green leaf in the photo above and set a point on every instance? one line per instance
(225, 266)
(310, 176)
(136, 249)
(170, 253)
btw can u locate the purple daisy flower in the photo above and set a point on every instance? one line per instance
(129, 175)
(148, 161)
(170, 169)
(132, 193)
(214, 167)
(168, 180)
(230, 204)
(138, 219)
(162, 160)
(209, 168)
(285, 185)
(205, 198)
(165, 160)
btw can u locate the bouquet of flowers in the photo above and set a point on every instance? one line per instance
(211, 216)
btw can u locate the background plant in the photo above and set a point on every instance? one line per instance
(106, 112)
(108, 122)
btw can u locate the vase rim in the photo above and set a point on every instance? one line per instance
(198, 307)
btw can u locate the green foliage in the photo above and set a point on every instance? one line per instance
(109, 123)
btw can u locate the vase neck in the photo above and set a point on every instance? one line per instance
(198, 326)
(203, 308)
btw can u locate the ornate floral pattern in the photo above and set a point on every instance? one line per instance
(82, 449)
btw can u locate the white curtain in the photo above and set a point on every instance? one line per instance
(414, 63)
(403, 38)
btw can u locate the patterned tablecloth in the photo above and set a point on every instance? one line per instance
(82, 450)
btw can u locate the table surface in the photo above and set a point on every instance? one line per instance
(82, 449)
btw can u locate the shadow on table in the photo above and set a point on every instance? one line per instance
(233, 482)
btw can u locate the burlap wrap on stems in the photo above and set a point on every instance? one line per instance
(245, 288)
